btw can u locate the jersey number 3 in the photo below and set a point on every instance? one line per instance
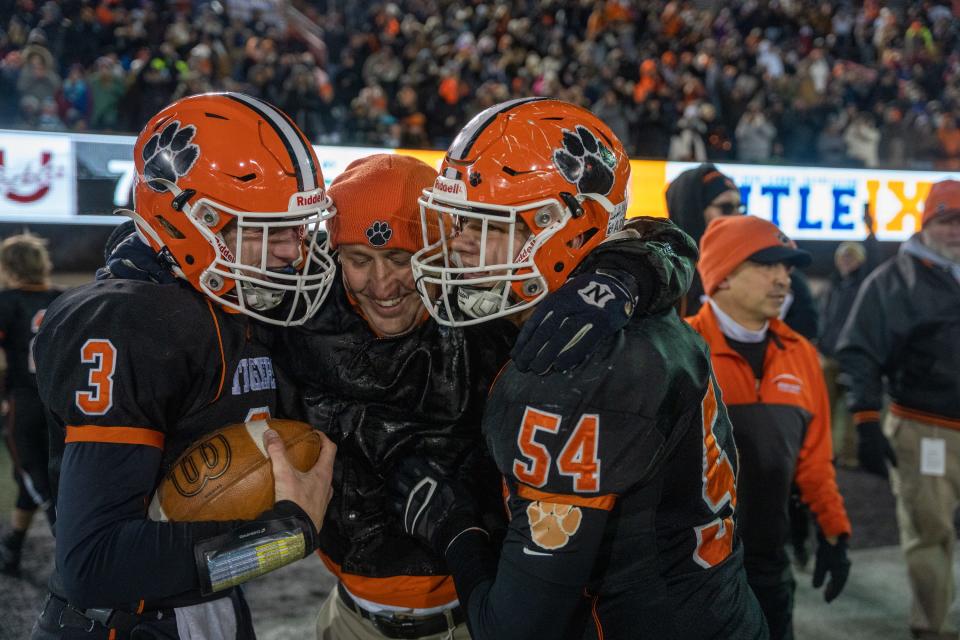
(715, 539)
(578, 459)
(103, 356)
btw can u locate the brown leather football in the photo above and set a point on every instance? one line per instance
(227, 474)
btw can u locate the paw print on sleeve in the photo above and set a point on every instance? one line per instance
(585, 161)
(379, 233)
(551, 525)
(169, 153)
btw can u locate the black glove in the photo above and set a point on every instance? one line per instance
(133, 259)
(832, 559)
(568, 324)
(873, 449)
(431, 507)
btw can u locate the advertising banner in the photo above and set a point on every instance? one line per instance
(37, 177)
(82, 178)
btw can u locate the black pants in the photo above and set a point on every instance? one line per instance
(56, 623)
(774, 587)
(27, 440)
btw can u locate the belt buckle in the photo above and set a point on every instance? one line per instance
(403, 625)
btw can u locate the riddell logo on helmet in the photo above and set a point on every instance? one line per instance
(455, 188)
(307, 199)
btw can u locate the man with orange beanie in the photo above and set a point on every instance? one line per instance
(777, 400)
(904, 330)
(379, 379)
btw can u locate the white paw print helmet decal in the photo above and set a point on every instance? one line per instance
(585, 161)
(169, 154)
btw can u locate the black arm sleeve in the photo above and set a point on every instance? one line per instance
(531, 593)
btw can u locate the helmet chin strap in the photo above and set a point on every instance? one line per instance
(259, 298)
(480, 303)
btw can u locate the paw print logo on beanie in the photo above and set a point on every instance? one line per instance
(379, 233)
(585, 161)
(169, 154)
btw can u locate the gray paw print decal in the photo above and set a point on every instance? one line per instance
(585, 161)
(169, 154)
(379, 233)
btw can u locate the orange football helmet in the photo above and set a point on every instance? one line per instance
(213, 160)
(545, 168)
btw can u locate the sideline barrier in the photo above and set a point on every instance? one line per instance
(80, 178)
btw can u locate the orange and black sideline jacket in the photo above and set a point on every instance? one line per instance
(782, 428)
(905, 329)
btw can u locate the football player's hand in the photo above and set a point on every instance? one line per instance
(311, 489)
(133, 259)
(568, 324)
(431, 507)
(832, 559)
(874, 450)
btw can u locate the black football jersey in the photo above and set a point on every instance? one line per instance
(621, 479)
(154, 357)
(134, 372)
(21, 312)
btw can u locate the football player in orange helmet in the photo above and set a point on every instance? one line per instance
(133, 371)
(620, 474)
(539, 174)
(230, 191)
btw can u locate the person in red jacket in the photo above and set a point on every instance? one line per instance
(777, 400)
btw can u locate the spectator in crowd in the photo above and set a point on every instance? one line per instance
(106, 91)
(903, 338)
(863, 140)
(25, 272)
(801, 62)
(755, 135)
(775, 395)
(854, 261)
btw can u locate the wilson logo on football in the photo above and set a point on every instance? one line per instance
(28, 183)
(207, 462)
(552, 525)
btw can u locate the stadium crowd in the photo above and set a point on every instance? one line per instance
(834, 82)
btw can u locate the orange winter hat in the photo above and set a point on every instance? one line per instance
(376, 202)
(944, 197)
(730, 241)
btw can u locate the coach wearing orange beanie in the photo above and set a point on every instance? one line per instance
(777, 401)
(383, 381)
(376, 230)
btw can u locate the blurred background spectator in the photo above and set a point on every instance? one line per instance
(757, 81)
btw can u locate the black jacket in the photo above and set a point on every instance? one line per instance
(904, 328)
(838, 302)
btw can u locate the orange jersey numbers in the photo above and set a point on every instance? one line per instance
(578, 458)
(715, 539)
(534, 469)
(103, 356)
